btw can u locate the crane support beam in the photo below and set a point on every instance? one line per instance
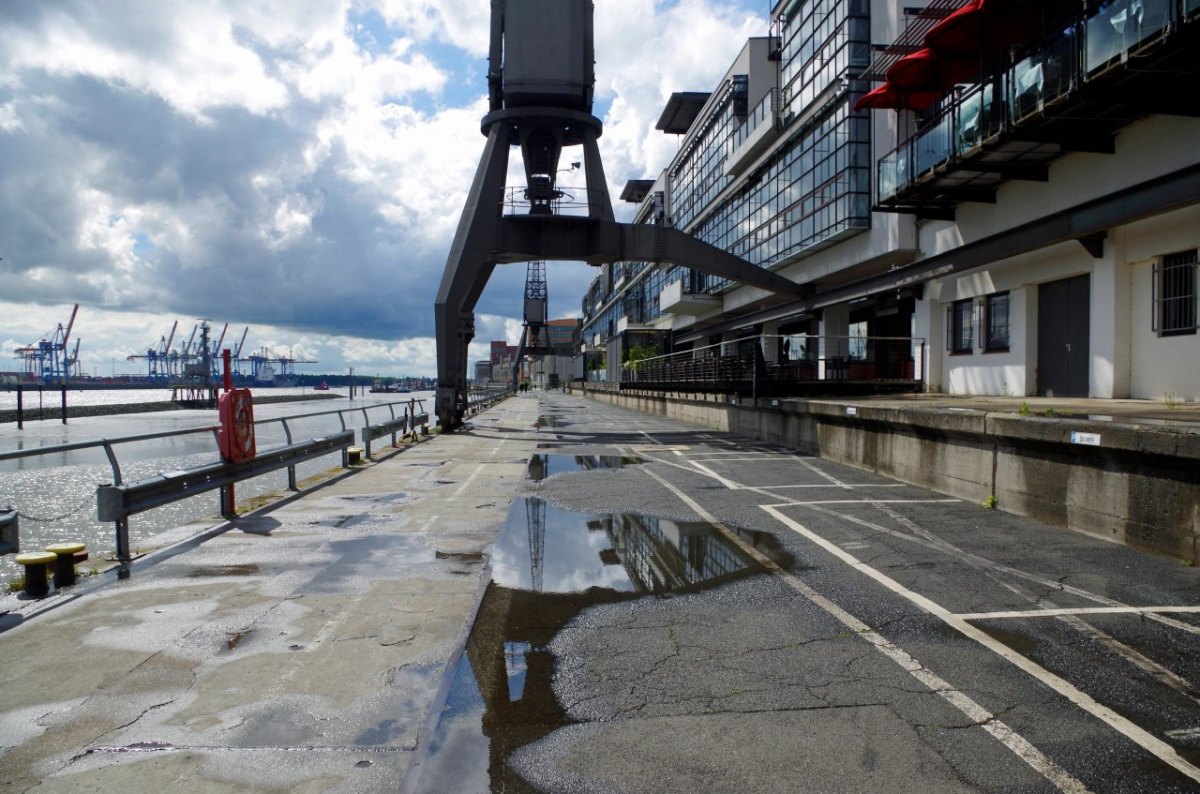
(523, 238)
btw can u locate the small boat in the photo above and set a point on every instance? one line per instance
(322, 386)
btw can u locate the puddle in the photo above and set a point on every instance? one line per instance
(549, 565)
(547, 465)
(223, 570)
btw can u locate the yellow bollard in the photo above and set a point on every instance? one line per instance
(65, 557)
(35, 562)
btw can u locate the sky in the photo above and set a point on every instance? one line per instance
(294, 166)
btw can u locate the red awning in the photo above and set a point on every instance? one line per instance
(916, 71)
(959, 35)
(887, 97)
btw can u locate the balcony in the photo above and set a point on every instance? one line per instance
(1071, 94)
(755, 134)
(675, 300)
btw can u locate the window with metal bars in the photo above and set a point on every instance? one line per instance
(1175, 294)
(960, 326)
(995, 318)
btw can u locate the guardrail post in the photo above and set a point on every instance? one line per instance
(123, 555)
(291, 470)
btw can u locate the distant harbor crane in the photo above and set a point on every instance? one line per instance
(47, 360)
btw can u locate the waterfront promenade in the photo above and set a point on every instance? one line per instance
(671, 609)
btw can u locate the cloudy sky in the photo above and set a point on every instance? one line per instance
(296, 166)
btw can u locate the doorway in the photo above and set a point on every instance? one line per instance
(1064, 328)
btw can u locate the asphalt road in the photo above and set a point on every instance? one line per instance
(677, 610)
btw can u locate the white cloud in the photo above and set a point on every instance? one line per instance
(298, 166)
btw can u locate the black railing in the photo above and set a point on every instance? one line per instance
(798, 364)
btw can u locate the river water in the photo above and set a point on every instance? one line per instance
(56, 493)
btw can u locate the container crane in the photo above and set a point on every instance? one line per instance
(47, 360)
(161, 364)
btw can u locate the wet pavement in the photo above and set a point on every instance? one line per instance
(570, 597)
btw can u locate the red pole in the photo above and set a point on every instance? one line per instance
(230, 499)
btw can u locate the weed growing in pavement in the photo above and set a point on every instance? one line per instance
(1171, 400)
(1024, 409)
(16, 585)
(990, 502)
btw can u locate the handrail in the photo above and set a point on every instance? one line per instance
(795, 359)
(116, 502)
(181, 485)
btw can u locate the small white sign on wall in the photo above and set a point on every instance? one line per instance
(1088, 439)
(851, 410)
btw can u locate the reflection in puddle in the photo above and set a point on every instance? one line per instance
(547, 465)
(549, 565)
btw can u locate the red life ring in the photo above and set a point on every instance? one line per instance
(237, 426)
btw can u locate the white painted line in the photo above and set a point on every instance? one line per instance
(868, 502)
(960, 700)
(1184, 733)
(727, 483)
(946, 547)
(459, 491)
(821, 485)
(1133, 732)
(1052, 613)
(818, 471)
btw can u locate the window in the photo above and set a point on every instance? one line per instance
(995, 312)
(960, 324)
(1175, 294)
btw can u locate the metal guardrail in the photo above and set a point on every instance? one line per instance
(116, 501)
(799, 362)
(10, 531)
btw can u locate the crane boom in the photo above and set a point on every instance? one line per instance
(171, 338)
(238, 353)
(70, 325)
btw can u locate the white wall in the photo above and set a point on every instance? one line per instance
(1169, 364)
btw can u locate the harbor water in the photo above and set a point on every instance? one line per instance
(55, 494)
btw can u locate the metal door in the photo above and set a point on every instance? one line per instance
(1064, 313)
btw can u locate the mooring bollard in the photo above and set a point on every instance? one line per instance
(65, 557)
(37, 585)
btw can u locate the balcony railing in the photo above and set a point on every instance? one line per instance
(800, 365)
(1084, 53)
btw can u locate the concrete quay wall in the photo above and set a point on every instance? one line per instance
(1130, 483)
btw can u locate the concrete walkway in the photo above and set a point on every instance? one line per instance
(322, 624)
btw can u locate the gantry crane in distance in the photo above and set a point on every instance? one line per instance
(533, 331)
(268, 368)
(47, 360)
(161, 364)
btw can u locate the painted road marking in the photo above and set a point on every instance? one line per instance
(1130, 730)
(1051, 613)
(868, 502)
(938, 544)
(960, 700)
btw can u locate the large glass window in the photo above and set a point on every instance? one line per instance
(1175, 294)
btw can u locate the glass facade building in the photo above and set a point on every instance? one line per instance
(811, 189)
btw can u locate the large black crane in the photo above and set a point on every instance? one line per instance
(540, 83)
